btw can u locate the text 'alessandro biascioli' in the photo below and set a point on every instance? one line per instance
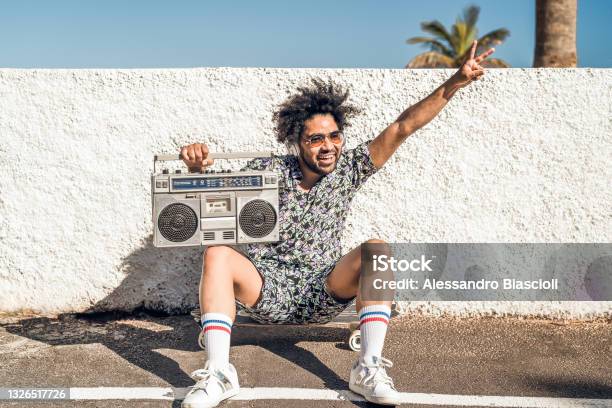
(384, 263)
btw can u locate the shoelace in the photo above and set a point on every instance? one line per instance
(201, 374)
(204, 374)
(377, 372)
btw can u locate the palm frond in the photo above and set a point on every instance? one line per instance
(461, 38)
(431, 59)
(417, 40)
(492, 38)
(470, 15)
(436, 29)
(434, 45)
(494, 63)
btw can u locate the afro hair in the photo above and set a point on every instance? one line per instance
(319, 98)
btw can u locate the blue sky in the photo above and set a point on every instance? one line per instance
(331, 34)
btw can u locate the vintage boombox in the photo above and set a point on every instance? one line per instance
(214, 207)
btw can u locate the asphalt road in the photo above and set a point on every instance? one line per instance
(455, 357)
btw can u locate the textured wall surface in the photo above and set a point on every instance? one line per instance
(521, 156)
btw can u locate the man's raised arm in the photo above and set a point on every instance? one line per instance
(421, 113)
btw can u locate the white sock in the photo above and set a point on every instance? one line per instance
(217, 333)
(373, 321)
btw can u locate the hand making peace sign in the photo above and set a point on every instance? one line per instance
(471, 70)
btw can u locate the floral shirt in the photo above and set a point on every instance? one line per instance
(311, 223)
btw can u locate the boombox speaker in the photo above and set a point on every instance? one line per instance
(214, 207)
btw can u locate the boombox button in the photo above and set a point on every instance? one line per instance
(164, 184)
(158, 184)
(270, 180)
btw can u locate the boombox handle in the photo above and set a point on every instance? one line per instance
(215, 156)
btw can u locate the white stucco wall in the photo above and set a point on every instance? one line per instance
(521, 156)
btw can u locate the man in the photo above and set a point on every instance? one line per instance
(303, 278)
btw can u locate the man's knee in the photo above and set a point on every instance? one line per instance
(369, 249)
(373, 247)
(375, 241)
(216, 256)
(217, 251)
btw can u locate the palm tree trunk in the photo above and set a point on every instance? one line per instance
(555, 33)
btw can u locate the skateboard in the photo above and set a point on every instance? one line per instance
(348, 319)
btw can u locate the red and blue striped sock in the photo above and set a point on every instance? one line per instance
(373, 321)
(217, 329)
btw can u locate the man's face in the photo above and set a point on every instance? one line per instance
(321, 159)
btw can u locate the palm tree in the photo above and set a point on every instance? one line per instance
(555, 33)
(450, 50)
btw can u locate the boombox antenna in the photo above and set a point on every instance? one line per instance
(215, 156)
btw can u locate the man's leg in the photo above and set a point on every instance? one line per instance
(226, 275)
(368, 376)
(344, 283)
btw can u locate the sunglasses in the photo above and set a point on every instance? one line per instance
(318, 139)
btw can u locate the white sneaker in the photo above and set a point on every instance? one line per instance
(213, 386)
(369, 379)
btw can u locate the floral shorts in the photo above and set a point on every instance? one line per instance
(293, 295)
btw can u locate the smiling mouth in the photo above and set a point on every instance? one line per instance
(326, 158)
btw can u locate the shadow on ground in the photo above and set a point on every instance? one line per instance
(136, 337)
(567, 388)
(155, 279)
